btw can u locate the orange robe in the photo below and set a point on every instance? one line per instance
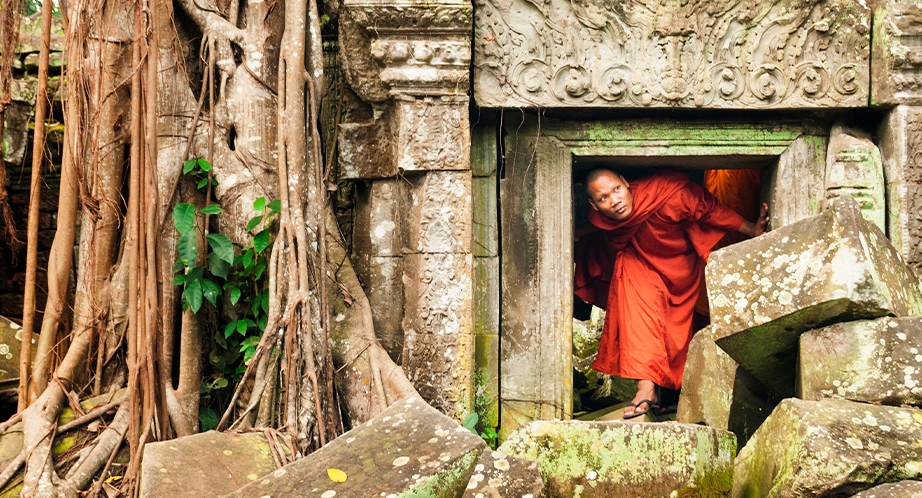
(645, 272)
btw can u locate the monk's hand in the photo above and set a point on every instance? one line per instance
(762, 222)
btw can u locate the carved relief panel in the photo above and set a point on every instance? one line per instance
(897, 54)
(670, 53)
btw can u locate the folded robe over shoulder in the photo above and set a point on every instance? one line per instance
(645, 272)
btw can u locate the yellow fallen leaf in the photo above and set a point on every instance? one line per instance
(918, 417)
(114, 479)
(336, 475)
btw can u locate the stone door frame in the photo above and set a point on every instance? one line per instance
(536, 220)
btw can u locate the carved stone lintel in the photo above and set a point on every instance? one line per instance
(650, 53)
(897, 54)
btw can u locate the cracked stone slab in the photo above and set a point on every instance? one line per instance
(606, 459)
(829, 268)
(209, 464)
(717, 392)
(829, 448)
(902, 489)
(498, 475)
(409, 449)
(872, 361)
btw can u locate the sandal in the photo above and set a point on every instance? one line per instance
(650, 406)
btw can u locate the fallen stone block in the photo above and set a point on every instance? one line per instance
(830, 268)
(409, 449)
(717, 392)
(873, 361)
(902, 489)
(209, 464)
(607, 459)
(829, 448)
(498, 475)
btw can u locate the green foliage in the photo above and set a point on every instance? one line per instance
(228, 277)
(487, 433)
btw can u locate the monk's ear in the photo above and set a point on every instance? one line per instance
(594, 207)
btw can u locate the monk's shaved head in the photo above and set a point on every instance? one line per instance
(598, 173)
(609, 194)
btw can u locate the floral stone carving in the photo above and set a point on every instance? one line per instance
(659, 53)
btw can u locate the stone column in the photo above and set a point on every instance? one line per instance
(896, 81)
(417, 151)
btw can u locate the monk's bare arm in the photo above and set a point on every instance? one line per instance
(751, 229)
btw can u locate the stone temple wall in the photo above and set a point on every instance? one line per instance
(426, 231)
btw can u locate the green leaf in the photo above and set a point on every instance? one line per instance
(217, 266)
(249, 342)
(211, 209)
(221, 246)
(264, 301)
(188, 248)
(210, 290)
(184, 217)
(263, 321)
(247, 259)
(250, 323)
(201, 183)
(193, 295)
(261, 241)
(254, 222)
(219, 383)
(275, 206)
(196, 272)
(234, 295)
(178, 266)
(187, 166)
(180, 279)
(205, 165)
(470, 422)
(230, 328)
(260, 268)
(242, 327)
(259, 204)
(208, 419)
(254, 307)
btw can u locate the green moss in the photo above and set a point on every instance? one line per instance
(449, 483)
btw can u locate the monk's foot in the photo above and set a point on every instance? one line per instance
(643, 401)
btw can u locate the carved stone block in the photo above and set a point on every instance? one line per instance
(438, 353)
(380, 218)
(367, 150)
(900, 146)
(439, 218)
(897, 53)
(433, 134)
(853, 167)
(626, 53)
(796, 182)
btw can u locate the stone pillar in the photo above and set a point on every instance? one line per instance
(416, 151)
(853, 167)
(897, 81)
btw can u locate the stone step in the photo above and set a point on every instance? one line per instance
(829, 448)
(618, 459)
(717, 392)
(409, 449)
(498, 475)
(210, 464)
(874, 361)
(830, 268)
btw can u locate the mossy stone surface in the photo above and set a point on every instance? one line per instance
(608, 459)
(830, 268)
(717, 392)
(209, 464)
(829, 448)
(872, 361)
(409, 450)
(902, 489)
(498, 475)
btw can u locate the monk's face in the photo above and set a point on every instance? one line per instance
(609, 195)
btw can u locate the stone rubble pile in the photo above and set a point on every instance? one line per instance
(823, 316)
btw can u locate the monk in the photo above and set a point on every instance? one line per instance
(644, 266)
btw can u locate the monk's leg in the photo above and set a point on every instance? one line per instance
(646, 390)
